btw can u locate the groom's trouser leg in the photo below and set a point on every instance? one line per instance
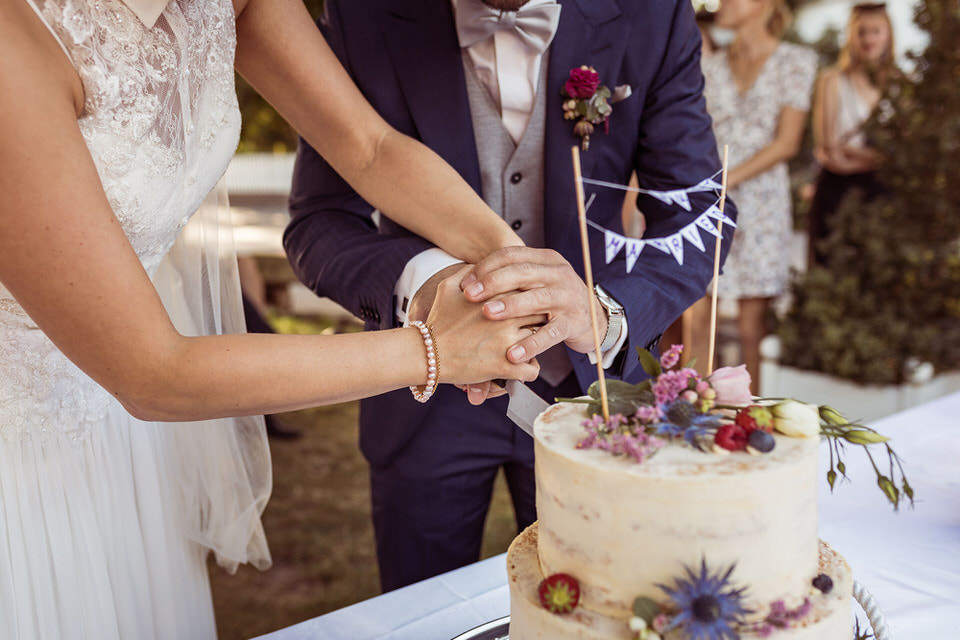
(431, 502)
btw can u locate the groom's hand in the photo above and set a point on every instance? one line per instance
(534, 281)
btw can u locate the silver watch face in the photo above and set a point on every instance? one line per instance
(611, 305)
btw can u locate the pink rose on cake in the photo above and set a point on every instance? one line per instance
(732, 385)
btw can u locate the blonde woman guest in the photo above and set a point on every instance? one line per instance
(118, 118)
(846, 96)
(758, 93)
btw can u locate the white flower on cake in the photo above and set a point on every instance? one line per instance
(796, 419)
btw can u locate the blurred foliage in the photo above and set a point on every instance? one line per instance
(263, 128)
(889, 294)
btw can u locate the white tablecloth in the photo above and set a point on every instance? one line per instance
(910, 560)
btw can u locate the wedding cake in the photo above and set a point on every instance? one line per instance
(688, 520)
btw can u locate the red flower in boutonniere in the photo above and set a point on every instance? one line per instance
(586, 100)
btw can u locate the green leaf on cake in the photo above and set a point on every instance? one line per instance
(650, 364)
(645, 608)
(622, 397)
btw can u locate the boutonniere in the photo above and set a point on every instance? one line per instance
(586, 101)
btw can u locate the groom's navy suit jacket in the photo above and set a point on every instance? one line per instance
(405, 58)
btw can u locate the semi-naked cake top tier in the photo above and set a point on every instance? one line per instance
(623, 527)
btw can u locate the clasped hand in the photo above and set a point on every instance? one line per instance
(535, 287)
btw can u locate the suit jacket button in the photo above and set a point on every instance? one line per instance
(516, 225)
(516, 178)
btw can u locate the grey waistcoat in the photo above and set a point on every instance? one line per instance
(511, 177)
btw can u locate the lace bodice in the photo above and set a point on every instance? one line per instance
(161, 122)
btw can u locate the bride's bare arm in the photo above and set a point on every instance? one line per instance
(284, 57)
(65, 258)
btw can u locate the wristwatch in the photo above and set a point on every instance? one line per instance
(615, 315)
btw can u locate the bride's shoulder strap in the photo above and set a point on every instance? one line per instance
(33, 5)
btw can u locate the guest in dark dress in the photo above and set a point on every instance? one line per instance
(846, 96)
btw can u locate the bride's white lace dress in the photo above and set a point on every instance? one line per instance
(106, 521)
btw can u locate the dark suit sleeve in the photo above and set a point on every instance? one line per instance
(675, 149)
(332, 242)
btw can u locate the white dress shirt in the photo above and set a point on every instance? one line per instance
(514, 88)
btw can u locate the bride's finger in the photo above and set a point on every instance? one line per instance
(532, 344)
(524, 371)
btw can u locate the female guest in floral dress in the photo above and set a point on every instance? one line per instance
(758, 92)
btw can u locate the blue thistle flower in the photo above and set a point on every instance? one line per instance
(682, 418)
(708, 607)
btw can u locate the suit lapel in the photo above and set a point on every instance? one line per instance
(423, 44)
(591, 32)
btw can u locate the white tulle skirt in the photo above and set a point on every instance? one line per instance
(106, 521)
(93, 539)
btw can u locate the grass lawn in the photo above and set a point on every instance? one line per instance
(319, 529)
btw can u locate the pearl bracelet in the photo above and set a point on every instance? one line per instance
(433, 370)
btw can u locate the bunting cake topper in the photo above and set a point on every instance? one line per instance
(672, 244)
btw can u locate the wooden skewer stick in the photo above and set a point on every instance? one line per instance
(716, 268)
(588, 272)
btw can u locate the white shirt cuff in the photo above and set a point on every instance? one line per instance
(419, 269)
(610, 355)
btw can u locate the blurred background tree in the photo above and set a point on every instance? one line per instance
(889, 295)
(263, 128)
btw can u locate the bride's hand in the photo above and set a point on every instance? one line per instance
(471, 348)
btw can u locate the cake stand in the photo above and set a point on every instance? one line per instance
(499, 629)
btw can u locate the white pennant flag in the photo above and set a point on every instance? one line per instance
(693, 236)
(680, 197)
(675, 243)
(708, 185)
(634, 248)
(714, 212)
(659, 243)
(614, 242)
(662, 196)
(703, 221)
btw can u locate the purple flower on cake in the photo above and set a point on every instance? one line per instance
(670, 359)
(647, 414)
(780, 617)
(670, 384)
(612, 438)
(707, 606)
(732, 385)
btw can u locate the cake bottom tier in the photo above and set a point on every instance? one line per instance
(830, 617)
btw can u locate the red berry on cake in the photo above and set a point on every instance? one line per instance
(731, 437)
(755, 417)
(560, 593)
